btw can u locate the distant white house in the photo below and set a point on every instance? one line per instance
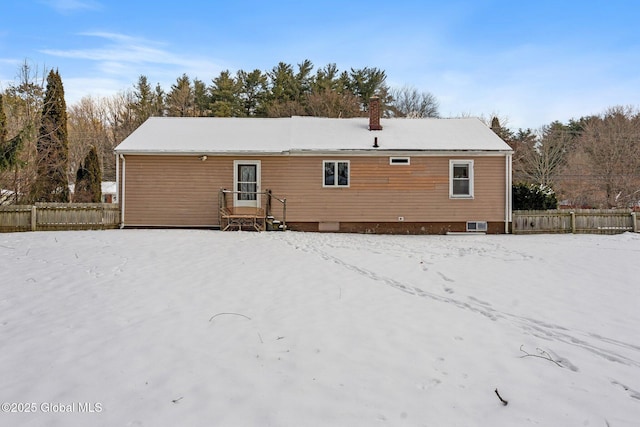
(109, 192)
(108, 188)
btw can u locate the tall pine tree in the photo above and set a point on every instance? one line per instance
(143, 105)
(253, 92)
(3, 136)
(9, 149)
(3, 122)
(180, 100)
(88, 180)
(52, 184)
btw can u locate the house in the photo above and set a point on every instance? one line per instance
(109, 193)
(419, 176)
(107, 190)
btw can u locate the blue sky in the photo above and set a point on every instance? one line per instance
(529, 62)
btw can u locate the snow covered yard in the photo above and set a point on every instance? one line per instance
(204, 328)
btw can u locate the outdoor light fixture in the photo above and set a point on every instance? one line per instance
(203, 158)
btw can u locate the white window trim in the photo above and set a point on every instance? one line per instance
(404, 161)
(335, 183)
(258, 200)
(468, 163)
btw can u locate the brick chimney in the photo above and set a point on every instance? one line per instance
(374, 113)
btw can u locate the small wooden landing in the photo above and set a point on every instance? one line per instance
(242, 218)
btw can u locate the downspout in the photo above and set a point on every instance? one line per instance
(122, 198)
(117, 178)
(508, 193)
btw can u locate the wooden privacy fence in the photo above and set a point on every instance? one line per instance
(591, 221)
(59, 216)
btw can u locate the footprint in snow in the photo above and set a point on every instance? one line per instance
(434, 382)
(633, 393)
(447, 279)
(479, 301)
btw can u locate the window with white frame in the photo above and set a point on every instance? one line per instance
(461, 179)
(336, 173)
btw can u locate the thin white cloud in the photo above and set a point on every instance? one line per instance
(124, 49)
(119, 59)
(66, 6)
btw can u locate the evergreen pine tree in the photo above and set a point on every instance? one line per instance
(225, 96)
(52, 184)
(533, 197)
(9, 149)
(88, 179)
(253, 92)
(201, 99)
(143, 105)
(180, 100)
(367, 82)
(81, 188)
(3, 123)
(158, 106)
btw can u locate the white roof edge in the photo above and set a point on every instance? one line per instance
(364, 152)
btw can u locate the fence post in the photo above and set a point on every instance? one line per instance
(634, 222)
(573, 222)
(33, 218)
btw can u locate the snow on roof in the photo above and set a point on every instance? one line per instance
(108, 187)
(168, 135)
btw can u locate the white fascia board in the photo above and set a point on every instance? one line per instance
(358, 153)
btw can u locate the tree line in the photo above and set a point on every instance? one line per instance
(35, 155)
(284, 91)
(593, 161)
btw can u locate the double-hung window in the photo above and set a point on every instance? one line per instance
(461, 179)
(336, 173)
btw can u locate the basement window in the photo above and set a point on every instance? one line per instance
(399, 160)
(336, 173)
(477, 226)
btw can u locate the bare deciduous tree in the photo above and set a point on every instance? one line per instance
(543, 164)
(610, 148)
(523, 144)
(88, 126)
(330, 103)
(23, 105)
(409, 102)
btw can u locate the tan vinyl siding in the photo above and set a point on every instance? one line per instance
(381, 192)
(174, 190)
(183, 190)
